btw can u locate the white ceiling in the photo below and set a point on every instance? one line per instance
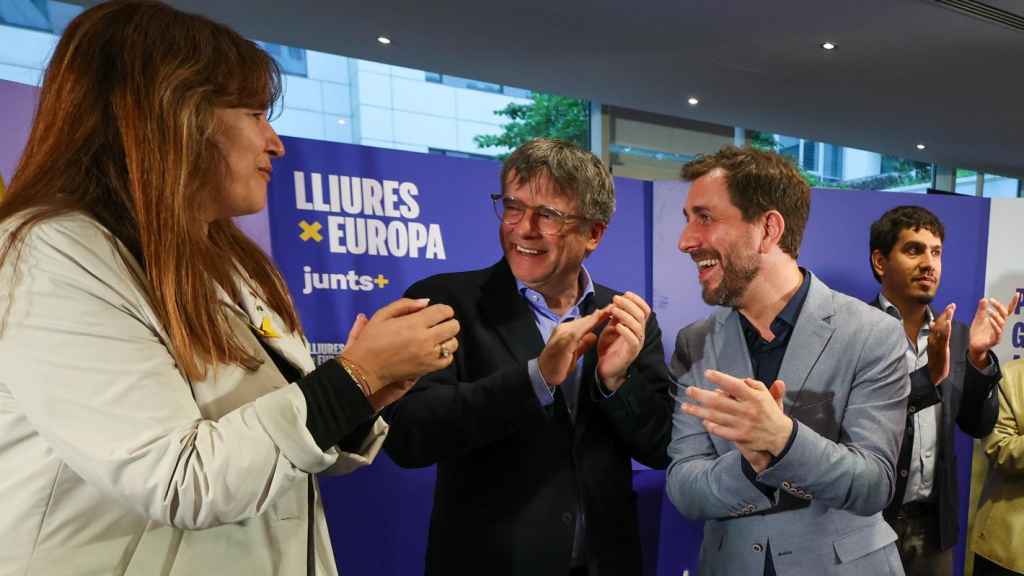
(905, 71)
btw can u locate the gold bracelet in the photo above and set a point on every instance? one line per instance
(356, 373)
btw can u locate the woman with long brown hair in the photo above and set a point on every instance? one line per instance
(159, 410)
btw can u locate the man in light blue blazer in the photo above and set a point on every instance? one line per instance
(793, 395)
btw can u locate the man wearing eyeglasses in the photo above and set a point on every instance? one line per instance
(557, 383)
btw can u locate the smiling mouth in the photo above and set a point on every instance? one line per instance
(265, 172)
(705, 266)
(526, 251)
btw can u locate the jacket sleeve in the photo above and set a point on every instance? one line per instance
(1005, 445)
(444, 415)
(979, 404)
(700, 482)
(641, 409)
(90, 373)
(857, 473)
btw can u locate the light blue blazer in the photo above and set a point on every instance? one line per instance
(847, 387)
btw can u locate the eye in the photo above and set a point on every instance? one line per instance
(548, 214)
(512, 206)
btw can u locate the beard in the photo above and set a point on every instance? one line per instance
(924, 298)
(738, 271)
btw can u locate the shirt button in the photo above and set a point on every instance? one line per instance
(912, 409)
(904, 473)
(567, 518)
(787, 485)
(757, 548)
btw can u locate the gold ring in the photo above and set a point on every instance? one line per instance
(443, 351)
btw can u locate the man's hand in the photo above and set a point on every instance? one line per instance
(567, 343)
(938, 345)
(987, 329)
(622, 339)
(744, 412)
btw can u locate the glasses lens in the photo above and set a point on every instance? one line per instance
(549, 221)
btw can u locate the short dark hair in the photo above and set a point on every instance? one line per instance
(576, 173)
(886, 230)
(759, 181)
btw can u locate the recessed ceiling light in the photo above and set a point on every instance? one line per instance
(384, 40)
(921, 146)
(828, 45)
(341, 121)
(692, 101)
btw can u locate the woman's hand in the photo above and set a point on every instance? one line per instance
(401, 342)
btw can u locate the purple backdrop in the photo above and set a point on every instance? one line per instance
(19, 103)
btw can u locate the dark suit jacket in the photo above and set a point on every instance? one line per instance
(969, 399)
(509, 472)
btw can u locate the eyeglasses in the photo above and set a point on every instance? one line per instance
(550, 222)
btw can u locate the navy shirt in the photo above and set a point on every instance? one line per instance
(766, 360)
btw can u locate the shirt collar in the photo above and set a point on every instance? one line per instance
(796, 303)
(893, 311)
(786, 319)
(537, 301)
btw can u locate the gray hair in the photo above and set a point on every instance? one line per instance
(576, 173)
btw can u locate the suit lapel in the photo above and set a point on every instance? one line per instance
(270, 328)
(810, 335)
(503, 308)
(731, 354)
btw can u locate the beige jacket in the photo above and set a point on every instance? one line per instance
(111, 462)
(999, 524)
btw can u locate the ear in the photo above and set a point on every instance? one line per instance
(878, 262)
(771, 230)
(594, 235)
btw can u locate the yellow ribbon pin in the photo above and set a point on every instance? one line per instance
(267, 329)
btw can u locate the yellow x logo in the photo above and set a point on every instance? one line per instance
(310, 231)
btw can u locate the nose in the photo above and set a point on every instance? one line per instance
(927, 261)
(688, 241)
(274, 145)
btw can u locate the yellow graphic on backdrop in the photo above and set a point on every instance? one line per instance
(310, 231)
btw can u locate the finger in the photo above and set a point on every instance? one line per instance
(639, 302)
(622, 318)
(452, 344)
(444, 330)
(996, 327)
(357, 327)
(730, 384)
(434, 314)
(580, 326)
(401, 307)
(998, 318)
(754, 384)
(585, 344)
(997, 308)
(778, 392)
(713, 400)
(629, 336)
(636, 310)
(711, 415)
(723, 432)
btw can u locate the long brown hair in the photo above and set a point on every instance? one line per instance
(123, 132)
